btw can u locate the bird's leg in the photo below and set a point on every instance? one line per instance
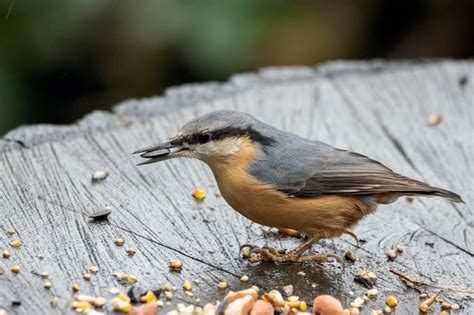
(304, 247)
(255, 253)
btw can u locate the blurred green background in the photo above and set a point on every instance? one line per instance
(60, 59)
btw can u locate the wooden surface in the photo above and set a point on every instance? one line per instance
(378, 109)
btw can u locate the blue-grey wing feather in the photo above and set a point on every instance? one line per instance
(305, 168)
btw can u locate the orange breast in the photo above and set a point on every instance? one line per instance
(326, 216)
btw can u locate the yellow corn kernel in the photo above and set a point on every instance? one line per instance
(391, 301)
(150, 297)
(121, 305)
(187, 286)
(84, 306)
(16, 243)
(199, 194)
(132, 279)
(303, 306)
(124, 298)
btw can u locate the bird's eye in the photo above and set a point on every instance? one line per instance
(203, 137)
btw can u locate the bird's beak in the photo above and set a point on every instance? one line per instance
(165, 150)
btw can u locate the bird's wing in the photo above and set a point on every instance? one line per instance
(346, 173)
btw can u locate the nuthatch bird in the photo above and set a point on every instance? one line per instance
(280, 180)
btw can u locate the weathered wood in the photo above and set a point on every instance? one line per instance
(378, 109)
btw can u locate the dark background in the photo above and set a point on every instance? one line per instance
(60, 59)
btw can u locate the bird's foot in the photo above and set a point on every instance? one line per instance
(254, 254)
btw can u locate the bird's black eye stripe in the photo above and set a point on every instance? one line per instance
(203, 137)
(220, 134)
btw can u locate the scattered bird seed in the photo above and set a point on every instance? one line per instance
(358, 302)
(149, 297)
(350, 256)
(16, 243)
(434, 120)
(40, 257)
(119, 242)
(79, 306)
(47, 285)
(392, 254)
(425, 306)
(11, 231)
(87, 276)
(399, 248)
(100, 302)
(176, 265)
(44, 275)
(222, 285)
(372, 293)
(168, 295)
(131, 251)
(54, 301)
(94, 269)
(101, 215)
(132, 279)
(301, 273)
(16, 269)
(455, 306)
(114, 290)
(387, 309)
(75, 287)
(367, 278)
(187, 286)
(199, 194)
(376, 312)
(6, 254)
(288, 289)
(391, 301)
(244, 278)
(445, 306)
(98, 176)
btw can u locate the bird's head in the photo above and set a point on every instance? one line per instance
(213, 137)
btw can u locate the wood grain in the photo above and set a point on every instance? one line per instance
(377, 108)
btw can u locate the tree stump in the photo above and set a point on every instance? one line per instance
(380, 109)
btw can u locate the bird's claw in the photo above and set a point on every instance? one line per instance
(255, 254)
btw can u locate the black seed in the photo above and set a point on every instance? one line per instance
(134, 293)
(101, 215)
(16, 303)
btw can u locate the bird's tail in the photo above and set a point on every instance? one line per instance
(439, 192)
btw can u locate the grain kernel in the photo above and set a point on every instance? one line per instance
(16, 269)
(132, 279)
(87, 276)
(149, 297)
(75, 287)
(16, 243)
(187, 286)
(391, 301)
(131, 251)
(244, 278)
(94, 269)
(199, 194)
(176, 265)
(47, 285)
(119, 242)
(222, 285)
(6, 254)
